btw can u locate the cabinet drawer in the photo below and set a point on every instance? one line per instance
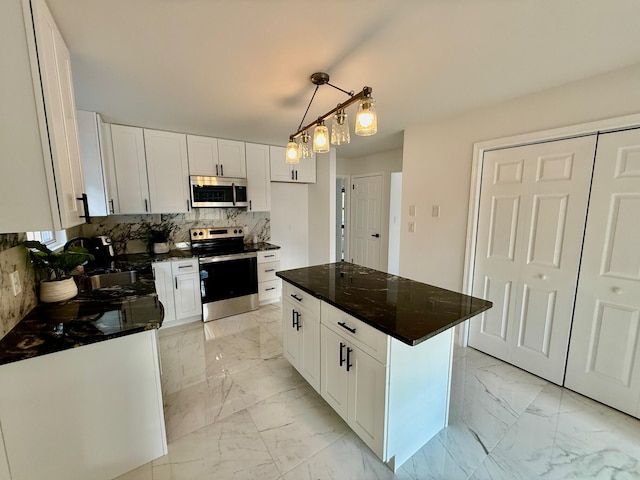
(268, 256)
(370, 340)
(302, 298)
(189, 265)
(268, 290)
(267, 271)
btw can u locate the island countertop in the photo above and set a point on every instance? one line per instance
(405, 309)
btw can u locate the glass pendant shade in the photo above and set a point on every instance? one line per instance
(304, 147)
(292, 152)
(321, 139)
(366, 118)
(340, 129)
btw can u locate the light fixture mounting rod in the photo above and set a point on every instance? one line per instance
(366, 92)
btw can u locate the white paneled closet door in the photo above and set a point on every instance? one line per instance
(604, 353)
(531, 222)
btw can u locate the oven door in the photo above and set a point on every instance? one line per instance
(228, 285)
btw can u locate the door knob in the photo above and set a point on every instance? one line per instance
(377, 235)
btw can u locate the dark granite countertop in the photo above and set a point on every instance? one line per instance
(408, 310)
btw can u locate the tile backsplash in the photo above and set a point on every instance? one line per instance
(122, 228)
(13, 257)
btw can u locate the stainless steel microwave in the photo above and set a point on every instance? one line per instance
(218, 191)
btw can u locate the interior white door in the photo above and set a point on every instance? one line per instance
(604, 355)
(531, 221)
(366, 219)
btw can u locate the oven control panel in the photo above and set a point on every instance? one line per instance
(216, 233)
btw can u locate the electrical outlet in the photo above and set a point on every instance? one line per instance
(435, 211)
(412, 210)
(15, 283)
(412, 227)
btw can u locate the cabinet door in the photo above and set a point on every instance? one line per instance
(367, 387)
(334, 378)
(164, 288)
(60, 111)
(109, 166)
(258, 177)
(281, 171)
(604, 353)
(187, 295)
(131, 169)
(309, 333)
(290, 337)
(203, 155)
(168, 171)
(89, 137)
(231, 158)
(305, 171)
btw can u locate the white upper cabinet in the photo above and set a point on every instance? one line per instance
(231, 158)
(203, 156)
(168, 171)
(97, 163)
(41, 179)
(130, 169)
(258, 183)
(281, 171)
(214, 157)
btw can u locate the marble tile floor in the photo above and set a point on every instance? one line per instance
(235, 409)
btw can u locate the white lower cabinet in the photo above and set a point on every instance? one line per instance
(178, 287)
(301, 341)
(395, 397)
(268, 284)
(89, 412)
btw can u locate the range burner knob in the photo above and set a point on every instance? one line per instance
(201, 233)
(235, 231)
(240, 230)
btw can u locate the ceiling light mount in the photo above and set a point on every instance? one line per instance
(366, 107)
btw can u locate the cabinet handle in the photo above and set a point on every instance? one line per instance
(270, 288)
(216, 169)
(296, 297)
(113, 210)
(221, 170)
(185, 266)
(349, 350)
(293, 318)
(146, 205)
(296, 174)
(344, 325)
(269, 256)
(250, 205)
(176, 279)
(85, 207)
(342, 345)
(270, 270)
(188, 206)
(292, 175)
(298, 320)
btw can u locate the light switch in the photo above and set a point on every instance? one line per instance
(412, 227)
(412, 210)
(435, 211)
(15, 283)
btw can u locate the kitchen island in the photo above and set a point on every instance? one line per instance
(378, 348)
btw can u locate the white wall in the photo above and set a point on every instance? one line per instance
(322, 210)
(385, 162)
(395, 214)
(437, 163)
(290, 223)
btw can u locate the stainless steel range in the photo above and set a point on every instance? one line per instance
(228, 273)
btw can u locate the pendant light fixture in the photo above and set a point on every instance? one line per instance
(366, 122)
(292, 152)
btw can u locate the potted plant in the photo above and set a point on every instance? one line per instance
(157, 235)
(54, 270)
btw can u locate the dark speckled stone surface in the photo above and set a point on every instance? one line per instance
(405, 309)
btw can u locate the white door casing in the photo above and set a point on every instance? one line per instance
(366, 219)
(604, 352)
(530, 226)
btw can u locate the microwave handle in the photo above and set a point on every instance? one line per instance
(233, 188)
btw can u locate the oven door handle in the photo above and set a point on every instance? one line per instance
(227, 258)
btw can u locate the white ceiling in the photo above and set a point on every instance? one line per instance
(240, 69)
